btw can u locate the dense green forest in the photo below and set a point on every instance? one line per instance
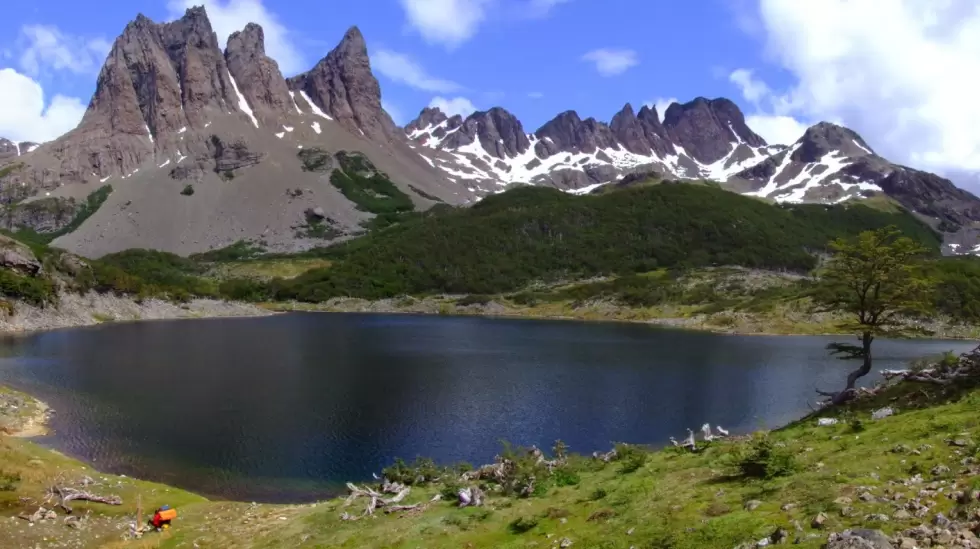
(537, 234)
(508, 243)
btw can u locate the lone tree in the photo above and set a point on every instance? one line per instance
(876, 279)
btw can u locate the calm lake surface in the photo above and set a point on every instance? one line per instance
(287, 408)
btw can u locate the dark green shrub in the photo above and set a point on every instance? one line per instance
(188, 190)
(521, 525)
(565, 477)
(630, 457)
(765, 459)
(598, 494)
(8, 481)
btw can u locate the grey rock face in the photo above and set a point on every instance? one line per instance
(18, 257)
(498, 131)
(569, 133)
(343, 85)
(43, 216)
(824, 138)
(643, 133)
(705, 128)
(257, 75)
(430, 116)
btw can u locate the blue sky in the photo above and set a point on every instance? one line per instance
(787, 63)
(521, 56)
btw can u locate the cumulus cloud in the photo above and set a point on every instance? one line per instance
(45, 47)
(661, 104)
(24, 115)
(904, 82)
(611, 62)
(403, 69)
(228, 16)
(451, 107)
(446, 22)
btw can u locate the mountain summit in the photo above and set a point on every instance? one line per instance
(201, 146)
(204, 148)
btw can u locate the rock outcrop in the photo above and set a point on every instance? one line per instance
(343, 86)
(705, 128)
(257, 76)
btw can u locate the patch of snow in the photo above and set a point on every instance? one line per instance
(299, 146)
(182, 130)
(954, 246)
(17, 146)
(32, 148)
(167, 162)
(585, 190)
(833, 164)
(148, 132)
(280, 135)
(104, 179)
(208, 124)
(242, 103)
(292, 95)
(862, 147)
(738, 140)
(313, 107)
(287, 128)
(180, 157)
(427, 159)
(316, 127)
(47, 194)
(771, 186)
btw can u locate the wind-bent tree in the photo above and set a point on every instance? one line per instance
(877, 280)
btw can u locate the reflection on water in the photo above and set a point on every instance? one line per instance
(291, 406)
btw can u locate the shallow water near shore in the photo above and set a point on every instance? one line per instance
(288, 407)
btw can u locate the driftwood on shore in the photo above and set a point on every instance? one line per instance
(376, 500)
(67, 494)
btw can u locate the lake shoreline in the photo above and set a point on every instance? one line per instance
(93, 309)
(493, 309)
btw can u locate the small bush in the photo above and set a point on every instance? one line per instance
(857, 425)
(188, 190)
(562, 476)
(598, 494)
(601, 515)
(765, 460)
(8, 481)
(421, 471)
(522, 524)
(631, 458)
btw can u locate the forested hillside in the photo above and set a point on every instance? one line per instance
(535, 234)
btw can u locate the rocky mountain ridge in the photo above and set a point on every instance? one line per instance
(201, 148)
(200, 145)
(700, 139)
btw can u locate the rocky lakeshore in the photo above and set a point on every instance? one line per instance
(74, 310)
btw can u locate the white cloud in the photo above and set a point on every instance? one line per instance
(903, 82)
(24, 115)
(228, 16)
(451, 107)
(610, 62)
(446, 22)
(405, 70)
(661, 104)
(46, 47)
(535, 95)
(752, 89)
(775, 128)
(394, 112)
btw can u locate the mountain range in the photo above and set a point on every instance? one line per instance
(204, 147)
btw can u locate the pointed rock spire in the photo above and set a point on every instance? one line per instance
(343, 86)
(257, 75)
(708, 128)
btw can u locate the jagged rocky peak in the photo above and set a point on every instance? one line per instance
(257, 75)
(569, 133)
(499, 132)
(429, 117)
(343, 86)
(826, 137)
(641, 134)
(707, 128)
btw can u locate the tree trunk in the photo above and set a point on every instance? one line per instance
(865, 369)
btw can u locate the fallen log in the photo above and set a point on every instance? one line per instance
(375, 499)
(71, 494)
